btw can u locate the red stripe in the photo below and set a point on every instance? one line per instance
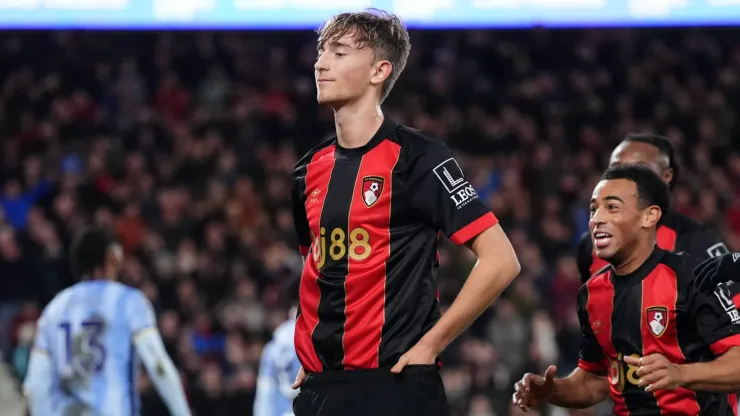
(732, 400)
(317, 181)
(366, 274)
(303, 250)
(476, 227)
(720, 347)
(600, 307)
(659, 290)
(666, 239)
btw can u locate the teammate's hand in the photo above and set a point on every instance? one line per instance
(714, 271)
(419, 354)
(299, 378)
(655, 372)
(534, 390)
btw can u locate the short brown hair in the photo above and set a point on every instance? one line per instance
(384, 32)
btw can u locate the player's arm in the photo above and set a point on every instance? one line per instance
(267, 391)
(37, 385)
(300, 218)
(703, 243)
(440, 190)
(586, 385)
(584, 256)
(717, 320)
(151, 350)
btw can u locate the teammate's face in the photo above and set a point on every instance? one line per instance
(629, 153)
(346, 73)
(617, 219)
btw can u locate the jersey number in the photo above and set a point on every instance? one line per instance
(358, 247)
(619, 372)
(84, 353)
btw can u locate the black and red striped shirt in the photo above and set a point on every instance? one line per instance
(676, 232)
(368, 221)
(656, 309)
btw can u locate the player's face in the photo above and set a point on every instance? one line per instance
(636, 153)
(617, 219)
(346, 73)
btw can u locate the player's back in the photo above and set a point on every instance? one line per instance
(88, 331)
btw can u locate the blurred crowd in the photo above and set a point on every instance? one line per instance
(183, 143)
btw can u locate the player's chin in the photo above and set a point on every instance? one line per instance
(606, 253)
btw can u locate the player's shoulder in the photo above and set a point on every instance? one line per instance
(418, 142)
(306, 159)
(682, 264)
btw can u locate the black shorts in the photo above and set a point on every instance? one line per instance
(418, 390)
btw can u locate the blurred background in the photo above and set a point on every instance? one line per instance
(183, 143)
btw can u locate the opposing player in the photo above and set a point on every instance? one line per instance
(279, 366)
(676, 232)
(84, 359)
(369, 206)
(666, 348)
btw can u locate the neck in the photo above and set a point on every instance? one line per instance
(100, 275)
(638, 256)
(357, 122)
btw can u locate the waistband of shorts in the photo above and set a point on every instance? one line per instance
(372, 374)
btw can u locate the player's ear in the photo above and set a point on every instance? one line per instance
(652, 216)
(381, 70)
(668, 176)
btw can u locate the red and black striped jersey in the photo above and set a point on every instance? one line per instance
(368, 221)
(656, 309)
(676, 232)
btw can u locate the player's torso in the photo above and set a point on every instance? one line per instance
(92, 350)
(643, 317)
(371, 259)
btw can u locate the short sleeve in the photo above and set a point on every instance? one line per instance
(139, 313)
(591, 356)
(440, 191)
(300, 218)
(717, 318)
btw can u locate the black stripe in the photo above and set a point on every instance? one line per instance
(328, 334)
(411, 308)
(627, 340)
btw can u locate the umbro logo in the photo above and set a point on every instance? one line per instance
(735, 256)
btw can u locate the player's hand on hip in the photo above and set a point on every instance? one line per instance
(711, 272)
(299, 379)
(534, 390)
(656, 372)
(419, 354)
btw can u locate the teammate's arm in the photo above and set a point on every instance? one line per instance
(440, 191)
(584, 257)
(151, 350)
(703, 244)
(718, 323)
(37, 385)
(584, 387)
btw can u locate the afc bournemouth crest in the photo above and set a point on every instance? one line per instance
(372, 187)
(657, 319)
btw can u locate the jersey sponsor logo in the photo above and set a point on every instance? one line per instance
(464, 196)
(657, 319)
(722, 292)
(717, 250)
(372, 187)
(621, 372)
(450, 174)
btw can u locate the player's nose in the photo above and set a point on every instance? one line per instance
(320, 65)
